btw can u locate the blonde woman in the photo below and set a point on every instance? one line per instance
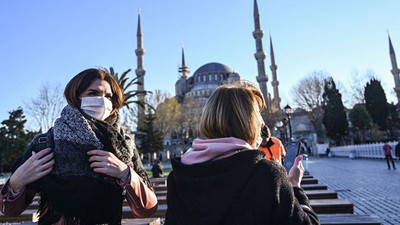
(223, 179)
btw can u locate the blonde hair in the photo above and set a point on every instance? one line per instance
(233, 111)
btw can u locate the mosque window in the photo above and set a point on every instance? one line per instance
(222, 76)
(204, 78)
(215, 76)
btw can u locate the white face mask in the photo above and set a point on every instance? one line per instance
(258, 142)
(97, 107)
(261, 122)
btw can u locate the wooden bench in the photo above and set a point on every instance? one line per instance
(331, 206)
(314, 187)
(160, 193)
(162, 199)
(26, 215)
(160, 188)
(319, 206)
(142, 221)
(347, 219)
(159, 181)
(309, 181)
(321, 194)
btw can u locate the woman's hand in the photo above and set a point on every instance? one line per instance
(296, 172)
(107, 163)
(37, 166)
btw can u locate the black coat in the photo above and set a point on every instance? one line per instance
(242, 189)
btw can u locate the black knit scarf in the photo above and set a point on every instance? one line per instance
(72, 189)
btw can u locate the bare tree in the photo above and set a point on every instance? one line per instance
(166, 109)
(308, 96)
(47, 106)
(168, 114)
(189, 120)
(357, 86)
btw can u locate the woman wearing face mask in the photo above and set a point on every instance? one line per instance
(224, 179)
(85, 166)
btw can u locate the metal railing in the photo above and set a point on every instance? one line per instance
(370, 151)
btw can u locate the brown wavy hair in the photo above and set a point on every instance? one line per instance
(84, 79)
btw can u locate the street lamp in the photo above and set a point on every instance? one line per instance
(279, 125)
(285, 123)
(289, 111)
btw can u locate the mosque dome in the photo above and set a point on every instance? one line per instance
(213, 68)
(207, 78)
(233, 78)
(234, 75)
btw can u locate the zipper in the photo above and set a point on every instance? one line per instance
(3, 206)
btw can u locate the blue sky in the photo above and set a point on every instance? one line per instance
(51, 41)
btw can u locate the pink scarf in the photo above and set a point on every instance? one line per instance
(213, 149)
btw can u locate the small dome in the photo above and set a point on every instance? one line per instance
(234, 75)
(213, 68)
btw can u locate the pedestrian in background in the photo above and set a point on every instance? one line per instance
(272, 146)
(157, 169)
(397, 150)
(388, 155)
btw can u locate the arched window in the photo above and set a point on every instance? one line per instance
(210, 77)
(204, 78)
(215, 76)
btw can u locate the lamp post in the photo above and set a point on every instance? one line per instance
(285, 123)
(279, 125)
(289, 111)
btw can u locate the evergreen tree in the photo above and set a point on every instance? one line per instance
(13, 138)
(360, 119)
(151, 138)
(393, 120)
(334, 118)
(376, 103)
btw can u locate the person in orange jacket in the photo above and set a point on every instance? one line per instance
(272, 146)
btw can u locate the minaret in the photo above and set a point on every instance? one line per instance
(276, 101)
(395, 70)
(262, 78)
(184, 70)
(181, 84)
(140, 70)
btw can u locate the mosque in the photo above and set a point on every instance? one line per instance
(208, 77)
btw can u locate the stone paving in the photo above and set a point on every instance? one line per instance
(367, 183)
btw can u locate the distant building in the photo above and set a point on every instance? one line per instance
(204, 81)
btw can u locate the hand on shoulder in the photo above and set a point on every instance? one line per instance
(37, 166)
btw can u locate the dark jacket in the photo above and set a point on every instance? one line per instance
(242, 189)
(157, 170)
(397, 150)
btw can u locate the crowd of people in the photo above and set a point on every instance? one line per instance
(85, 166)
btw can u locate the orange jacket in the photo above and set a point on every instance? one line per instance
(276, 148)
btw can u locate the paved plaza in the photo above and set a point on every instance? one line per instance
(367, 183)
